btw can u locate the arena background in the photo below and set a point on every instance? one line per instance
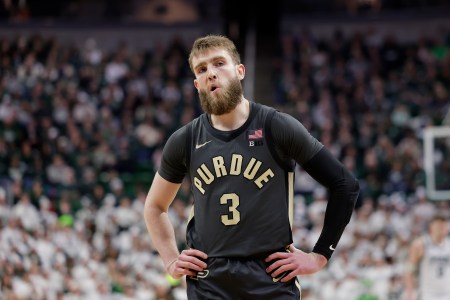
(91, 90)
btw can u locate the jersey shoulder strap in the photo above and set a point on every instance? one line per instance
(188, 145)
(189, 138)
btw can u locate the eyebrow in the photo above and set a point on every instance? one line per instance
(204, 62)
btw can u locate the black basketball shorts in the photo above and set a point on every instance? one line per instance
(239, 279)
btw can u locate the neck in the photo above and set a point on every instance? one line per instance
(234, 119)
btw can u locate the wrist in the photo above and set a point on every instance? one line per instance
(320, 258)
(170, 264)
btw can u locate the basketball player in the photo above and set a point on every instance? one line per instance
(429, 263)
(240, 158)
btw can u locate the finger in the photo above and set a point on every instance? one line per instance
(186, 272)
(191, 266)
(273, 266)
(282, 269)
(288, 277)
(278, 263)
(277, 255)
(194, 261)
(183, 268)
(190, 272)
(179, 271)
(195, 252)
(190, 257)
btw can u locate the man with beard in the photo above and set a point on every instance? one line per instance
(240, 157)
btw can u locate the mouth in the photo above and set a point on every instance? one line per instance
(213, 88)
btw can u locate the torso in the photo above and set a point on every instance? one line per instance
(242, 193)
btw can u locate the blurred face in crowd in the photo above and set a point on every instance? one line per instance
(218, 80)
(439, 228)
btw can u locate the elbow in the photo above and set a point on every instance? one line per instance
(354, 185)
(149, 209)
(353, 188)
(347, 189)
(152, 209)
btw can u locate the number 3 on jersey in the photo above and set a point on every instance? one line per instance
(232, 200)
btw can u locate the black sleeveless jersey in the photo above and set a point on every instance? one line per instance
(243, 193)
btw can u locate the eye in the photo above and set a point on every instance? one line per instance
(201, 70)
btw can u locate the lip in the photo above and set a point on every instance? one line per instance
(214, 88)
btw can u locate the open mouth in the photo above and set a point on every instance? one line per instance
(213, 88)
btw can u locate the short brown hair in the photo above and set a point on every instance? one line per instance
(214, 41)
(440, 216)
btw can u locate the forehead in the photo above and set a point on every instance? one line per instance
(439, 221)
(208, 55)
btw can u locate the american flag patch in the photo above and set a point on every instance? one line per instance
(255, 134)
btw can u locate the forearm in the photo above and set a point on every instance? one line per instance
(337, 216)
(411, 268)
(162, 233)
(343, 191)
(410, 284)
(159, 198)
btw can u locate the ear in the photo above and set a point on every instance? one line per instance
(196, 83)
(240, 69)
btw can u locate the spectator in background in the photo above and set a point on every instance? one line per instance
(428, 267)
(27, 213)
(5, 209)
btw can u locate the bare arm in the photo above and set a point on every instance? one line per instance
(414, 257)
(159, 198)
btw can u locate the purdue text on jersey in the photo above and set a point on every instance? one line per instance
(232, 167)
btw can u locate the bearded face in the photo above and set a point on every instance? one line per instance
(225, 101)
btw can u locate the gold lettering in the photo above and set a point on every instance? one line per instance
(252, 168)
(207, 176)
(220, 170)
(236, 164)
(198, 184)
(219, 166)
(264, 177)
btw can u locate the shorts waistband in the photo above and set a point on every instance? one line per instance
(258, 256)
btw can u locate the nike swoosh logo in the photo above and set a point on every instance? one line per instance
(201, 145)
(276, 279)
(331, 247)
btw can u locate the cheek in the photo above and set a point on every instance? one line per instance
(199, 86)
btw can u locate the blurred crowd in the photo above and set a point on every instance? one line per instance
(81, 134)
(367, 97)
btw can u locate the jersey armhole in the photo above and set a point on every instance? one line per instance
(188, 147)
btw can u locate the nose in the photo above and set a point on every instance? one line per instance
(211, 74)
